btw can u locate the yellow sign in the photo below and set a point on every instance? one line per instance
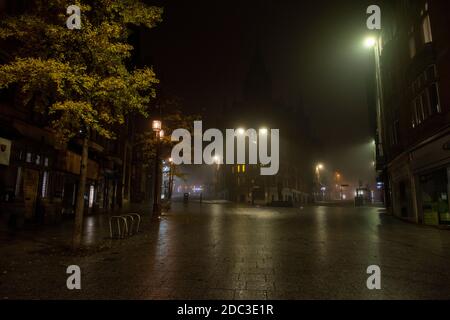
(5, 151)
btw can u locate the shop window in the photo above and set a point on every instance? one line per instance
(18, 188)
(91, 196)
(44, 187)
(434, 198)
(426, 30)
(74, 195)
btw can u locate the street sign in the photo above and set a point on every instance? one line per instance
(5, 151)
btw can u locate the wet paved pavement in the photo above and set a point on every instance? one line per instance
(217, 251)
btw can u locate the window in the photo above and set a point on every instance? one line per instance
(243, 168)
(425, 92)
(426, 30)
(415, 119)
(425, 104)
(434, 98)
(28, 158)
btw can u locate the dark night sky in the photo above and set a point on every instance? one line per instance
(313, 52)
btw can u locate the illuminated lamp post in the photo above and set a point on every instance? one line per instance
(159, 134)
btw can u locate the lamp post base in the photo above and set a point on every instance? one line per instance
(156, 211)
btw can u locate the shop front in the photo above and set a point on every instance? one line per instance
(431, 165)
(433, 197)
(403, 188)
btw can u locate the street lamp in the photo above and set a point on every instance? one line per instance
(159, 134)
(338, 177)
(156, 125)
(370, 42)
(217, 161)
(375, 45)
(170, 178)
(319, 167)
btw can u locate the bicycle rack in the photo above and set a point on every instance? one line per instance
(130, 229)
(127, 225)
(120, 220)
(138, 218)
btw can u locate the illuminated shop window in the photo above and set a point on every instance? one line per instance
(426, 30)
(44, 184)
(91, 196)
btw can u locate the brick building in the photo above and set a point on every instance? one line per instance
(413, 134)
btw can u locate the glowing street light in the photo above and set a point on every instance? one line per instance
(370, 42)
(156, 125)
(171, 174)
(319, 167)
(240, 131)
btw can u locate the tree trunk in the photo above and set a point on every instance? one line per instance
(79, 208)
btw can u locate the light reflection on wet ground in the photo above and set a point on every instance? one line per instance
(233, 252)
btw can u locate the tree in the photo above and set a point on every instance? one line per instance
(78, 78)
(172, 116)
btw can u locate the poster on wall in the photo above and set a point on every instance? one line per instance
(5, 151)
